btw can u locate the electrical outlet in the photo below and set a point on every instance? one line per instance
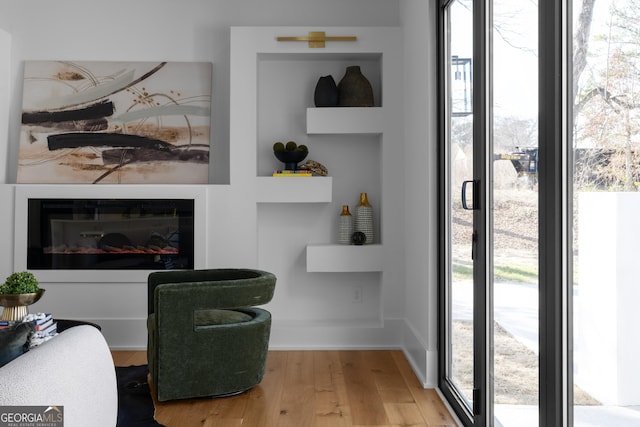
(357, 296)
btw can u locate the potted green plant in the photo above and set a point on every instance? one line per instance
(19, 290)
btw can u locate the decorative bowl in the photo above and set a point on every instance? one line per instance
(13, 300)
(291, 158)
(15, 305)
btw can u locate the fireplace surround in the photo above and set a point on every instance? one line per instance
(114, 233)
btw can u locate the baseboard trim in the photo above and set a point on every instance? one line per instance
(336, 335)
(131, 334)
(423, 361)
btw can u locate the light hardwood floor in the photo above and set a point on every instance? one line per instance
(316, 389)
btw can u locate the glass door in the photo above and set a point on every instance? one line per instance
(549, 336)
(489, 325)
(514, 212)
(459, 201)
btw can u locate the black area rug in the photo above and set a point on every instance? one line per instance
(135, 404)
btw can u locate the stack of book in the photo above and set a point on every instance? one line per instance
(45, 327)
(5, 324)
(293, 174)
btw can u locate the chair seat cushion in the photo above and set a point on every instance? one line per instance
(203, 318)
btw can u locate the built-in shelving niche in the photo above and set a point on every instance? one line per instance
(353, 143)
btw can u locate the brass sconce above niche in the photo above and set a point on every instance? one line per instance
(317, 39)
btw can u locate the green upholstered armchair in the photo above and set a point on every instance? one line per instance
(205, 338)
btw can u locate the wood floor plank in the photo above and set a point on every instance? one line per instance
(332, 403)
(180, 413)
(264, 400)
(405, 414)
(391, 385)
(298, 395)
(433, 410)
(224, 422)
(129, 358)
(316, 389)
(224, 411)
(365, 401)
(385, 370)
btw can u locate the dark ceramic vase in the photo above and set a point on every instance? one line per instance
(354, 90)
(326, 93)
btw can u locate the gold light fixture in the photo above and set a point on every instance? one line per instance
(317, 39)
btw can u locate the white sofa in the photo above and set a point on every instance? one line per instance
(74, 370)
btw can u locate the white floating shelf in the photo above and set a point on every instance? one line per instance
(345, 120)
(315, 189)
(344, 258)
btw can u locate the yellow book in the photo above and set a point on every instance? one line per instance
(293, 174)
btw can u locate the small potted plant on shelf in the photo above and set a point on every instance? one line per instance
(19, 290)
(290, 154)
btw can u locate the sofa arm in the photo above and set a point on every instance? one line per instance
(74, 370)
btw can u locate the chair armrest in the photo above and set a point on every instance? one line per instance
(74, 369)
(215, 288)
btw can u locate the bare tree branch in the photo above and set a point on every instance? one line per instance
(581, 46)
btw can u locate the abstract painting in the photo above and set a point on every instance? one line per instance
(115, 122)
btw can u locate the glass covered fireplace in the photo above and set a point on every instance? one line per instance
(101, 234)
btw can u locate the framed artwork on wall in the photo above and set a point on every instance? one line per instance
(99, 122)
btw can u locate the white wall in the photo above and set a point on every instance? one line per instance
(421, 188)
(605, 299)
(198, 30)
(5, 71)
(152, 30)
(320, 305)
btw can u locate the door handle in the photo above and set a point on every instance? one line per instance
(465, 205)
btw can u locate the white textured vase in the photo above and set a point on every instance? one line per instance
(345, 226)
(364, 218)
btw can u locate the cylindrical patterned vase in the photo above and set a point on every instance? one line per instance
(364, 218)
(345, 226)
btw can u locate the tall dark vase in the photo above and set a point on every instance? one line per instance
(326, 93)
(354, 90)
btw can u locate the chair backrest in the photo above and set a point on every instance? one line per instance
(209, 289)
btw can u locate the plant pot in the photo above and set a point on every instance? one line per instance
(15, 305)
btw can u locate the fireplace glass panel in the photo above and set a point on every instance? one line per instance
(103, 234)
